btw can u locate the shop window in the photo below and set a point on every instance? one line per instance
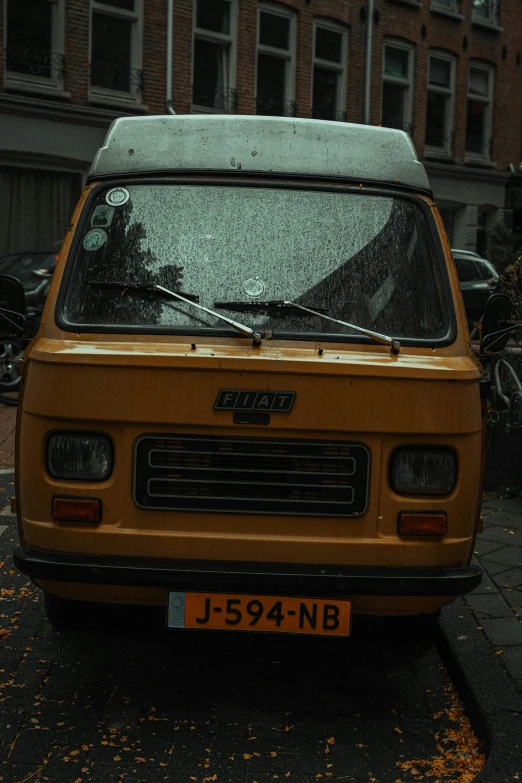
(397, 86)
(440, 104)
(34, 44)
(116, 50)
(276, 56)
(330, 66)
(214, 56)
(479, 121)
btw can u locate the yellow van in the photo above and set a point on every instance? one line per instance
(251, 399)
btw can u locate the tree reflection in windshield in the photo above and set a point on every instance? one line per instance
(125, 257)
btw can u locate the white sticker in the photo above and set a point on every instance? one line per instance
(117, 197)
(102, 216)
(94, 239)
(254, 287)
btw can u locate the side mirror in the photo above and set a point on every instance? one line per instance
(12, 306)
(497, 325)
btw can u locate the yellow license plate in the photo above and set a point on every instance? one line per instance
(279, 614)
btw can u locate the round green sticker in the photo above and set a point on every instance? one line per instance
(94, 239)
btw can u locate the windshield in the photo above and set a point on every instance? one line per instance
(366, 259)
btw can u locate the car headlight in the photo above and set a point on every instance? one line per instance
(423, 471)
(79, 456)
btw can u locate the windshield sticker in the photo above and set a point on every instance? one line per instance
(254, 287)
(116, 197)
(94, 239)
(102, 216)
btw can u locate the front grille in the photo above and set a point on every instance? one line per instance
(251, 475)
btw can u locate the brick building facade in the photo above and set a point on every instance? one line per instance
(447, 71)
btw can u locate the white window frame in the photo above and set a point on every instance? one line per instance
(408, 82)
(53, 84)
(447, 8)
(485, 155)
(340, 68)
(449, 92)
(289, 55)
(230, 42)
(106, 95)
(489, 19)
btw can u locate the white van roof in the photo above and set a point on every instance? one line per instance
(250, 143)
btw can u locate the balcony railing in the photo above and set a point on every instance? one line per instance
(485, 12)
(327, 113)
(479, 145)
(214, 97)
(112, 76)
(446, 6)
(39, 63)
(275, 106)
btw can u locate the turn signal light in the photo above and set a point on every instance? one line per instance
(76, 510)
(415, 523)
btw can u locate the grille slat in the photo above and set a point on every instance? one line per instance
(251, 475)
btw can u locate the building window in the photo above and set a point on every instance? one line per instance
(276, 39)
(116, 49)
(329, 72)
(440, 103)
(485, 12)
(397, 86)
(479, 122)
(214, 59)
(34, 43)
(451, 7)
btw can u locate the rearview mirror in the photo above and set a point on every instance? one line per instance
(497, 325)
(12, 306)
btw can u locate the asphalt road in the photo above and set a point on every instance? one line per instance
(133, 702)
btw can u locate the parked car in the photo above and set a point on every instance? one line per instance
(34, 270)
(478, 280)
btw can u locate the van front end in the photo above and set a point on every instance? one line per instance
(191, 500)
(251, 399)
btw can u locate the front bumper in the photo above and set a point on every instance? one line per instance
(246, 577)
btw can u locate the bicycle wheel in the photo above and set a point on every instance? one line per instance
(10, 353)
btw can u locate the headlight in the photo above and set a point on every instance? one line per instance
(85, 457)
(423, 471)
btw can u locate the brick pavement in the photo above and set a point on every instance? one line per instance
(7, 436)
(497, 603)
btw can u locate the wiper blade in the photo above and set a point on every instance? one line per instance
(153, 288)
(277, 305)
(272, 307)
(143, 288)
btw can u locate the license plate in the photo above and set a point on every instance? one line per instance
(283, 614)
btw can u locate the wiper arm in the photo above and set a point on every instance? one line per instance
(271, 307)
(275, 305)
(152, 288)
(395, 345)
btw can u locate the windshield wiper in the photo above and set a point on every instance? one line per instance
(272, 307)
(152, 288)
(379, 338)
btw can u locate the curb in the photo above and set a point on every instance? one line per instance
(492, 702)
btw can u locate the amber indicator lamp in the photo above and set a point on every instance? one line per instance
(422, 523)
(67, 509)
